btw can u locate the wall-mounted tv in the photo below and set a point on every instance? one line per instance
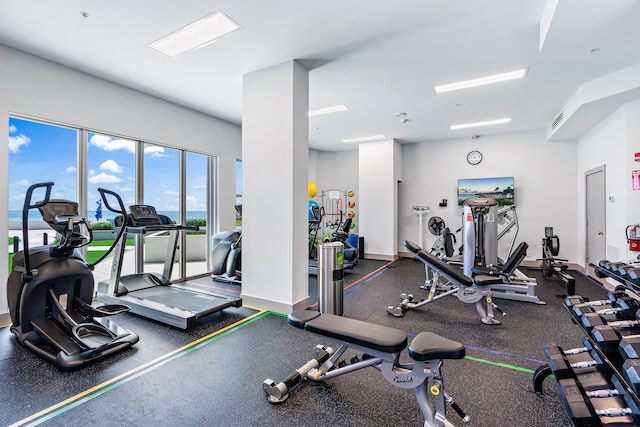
(500, 189)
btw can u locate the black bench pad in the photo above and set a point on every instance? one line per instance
(453, 272)
(430, 346)
(412, 246)
(370, 335)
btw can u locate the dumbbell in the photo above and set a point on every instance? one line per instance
(606, 406)
(609, 338)
(569, 363)
(618, 303)
(630, 347)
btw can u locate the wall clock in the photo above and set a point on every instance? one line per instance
(474, 157)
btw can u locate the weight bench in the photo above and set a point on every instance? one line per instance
(444, 279)
(515, 285)
(380, 347)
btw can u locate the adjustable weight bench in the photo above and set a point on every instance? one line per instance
(444, 279)
(515, 285)
(380, 347)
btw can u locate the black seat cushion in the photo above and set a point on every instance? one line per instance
(370, 335)
(430, 346)
(300, 317)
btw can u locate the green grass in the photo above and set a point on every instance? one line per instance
(108, 242)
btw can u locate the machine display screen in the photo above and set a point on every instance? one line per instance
(142, 212)
(500, 189)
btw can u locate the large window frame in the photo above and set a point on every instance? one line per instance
(82, 175)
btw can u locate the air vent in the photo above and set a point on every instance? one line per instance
(557, 121)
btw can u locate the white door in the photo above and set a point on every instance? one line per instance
(595, 216)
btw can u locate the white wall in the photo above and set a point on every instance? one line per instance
(612, 143)
(378, 188)
(544, 175)
(42, 89)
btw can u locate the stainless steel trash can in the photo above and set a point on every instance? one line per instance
(330, 278)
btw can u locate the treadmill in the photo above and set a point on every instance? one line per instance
(153, 295)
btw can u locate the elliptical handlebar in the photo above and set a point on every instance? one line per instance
(103, 194)
(27, 275)
(29, 196)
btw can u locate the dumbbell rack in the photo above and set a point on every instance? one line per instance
(600, 381)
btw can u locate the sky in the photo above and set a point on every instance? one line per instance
(40, 152)
(484, 185)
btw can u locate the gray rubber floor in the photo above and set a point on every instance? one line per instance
(172, 377)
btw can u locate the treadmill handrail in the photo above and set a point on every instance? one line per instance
(144, 229)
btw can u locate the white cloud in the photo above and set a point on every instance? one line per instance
(198, 187)
(103, 178)
(125, 190)
(15, 142)
(70, 169)
(92, 172)
(108, 143)
(191, 199)
(24, 182)
(12, 129)
(171, 193)
(111, 166)
(154, 151)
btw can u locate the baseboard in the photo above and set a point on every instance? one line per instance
(275, 306)
(5, 319)
(380, 257)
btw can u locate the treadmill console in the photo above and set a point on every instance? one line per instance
(142, 215)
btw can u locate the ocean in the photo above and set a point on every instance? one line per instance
(34, 215)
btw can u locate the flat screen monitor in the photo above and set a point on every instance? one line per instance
(500, 189)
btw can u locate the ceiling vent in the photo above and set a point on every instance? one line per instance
(557, 121)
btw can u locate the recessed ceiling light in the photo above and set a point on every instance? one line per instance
(328, 110)
(195, 35)
(365, 139)
(496, 78)
(478, 124)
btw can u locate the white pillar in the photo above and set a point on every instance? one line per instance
(275, 150)
(378, 177)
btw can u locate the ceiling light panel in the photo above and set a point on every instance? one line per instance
(328, 110)
(496, 78)
(196, 35)
(478, 124)
(365, 139)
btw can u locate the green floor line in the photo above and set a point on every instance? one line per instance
(502, 365)
(81, 398)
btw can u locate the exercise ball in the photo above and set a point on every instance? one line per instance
(351, 214)
(351, 204)
(312, 203)
(312, 189)
(351, 193)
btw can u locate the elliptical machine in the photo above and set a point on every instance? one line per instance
(226, 257)
(50, 291)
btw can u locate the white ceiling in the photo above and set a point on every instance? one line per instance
(378, 57)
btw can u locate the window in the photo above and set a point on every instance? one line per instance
(177, 183)
(111, 164)
(38, 152)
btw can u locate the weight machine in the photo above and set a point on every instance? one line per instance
(480, 237)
